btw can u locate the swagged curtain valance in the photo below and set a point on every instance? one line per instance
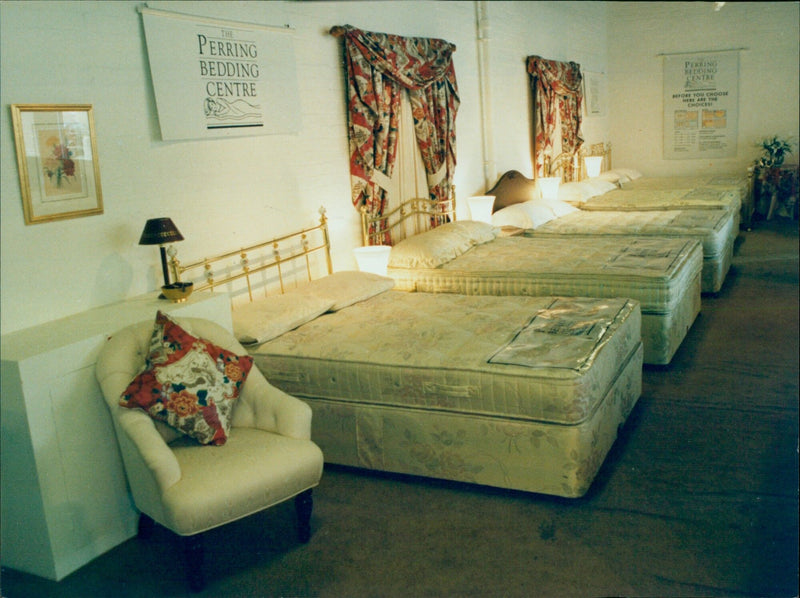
(379, 66)
(557, 95)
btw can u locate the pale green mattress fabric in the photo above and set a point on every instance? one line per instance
(699, 198)
(403, 382)
(662, 274)
(715, 229)
(739, 184)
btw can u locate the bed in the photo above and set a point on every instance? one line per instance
(716, 229)
(615, 189)
(467, 257)
(525, 393)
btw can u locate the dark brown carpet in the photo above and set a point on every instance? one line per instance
(699, 496)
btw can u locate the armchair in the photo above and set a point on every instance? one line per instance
(190, 488)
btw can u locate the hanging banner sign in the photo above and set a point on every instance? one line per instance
(216, 78)
(701, 105)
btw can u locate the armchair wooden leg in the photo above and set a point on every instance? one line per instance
(193, 556)
(304, 504)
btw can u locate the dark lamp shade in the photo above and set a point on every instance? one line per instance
(158, 231)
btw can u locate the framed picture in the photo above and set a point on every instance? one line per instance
(595, 93)
(59, 173)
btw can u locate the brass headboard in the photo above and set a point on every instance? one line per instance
(289, 254)
(558, 166)
(419, 213)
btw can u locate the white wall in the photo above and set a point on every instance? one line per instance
(566, 31)
(226, 193)
(768, 32)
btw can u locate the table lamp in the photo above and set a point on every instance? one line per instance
(548, 186)
(480, 207)
(160, 231)
(593, 165)
(373, 258)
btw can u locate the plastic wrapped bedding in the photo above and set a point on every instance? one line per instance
(715, 229)
(737, 184)
(515, 392)
(662, 274)
(699, 198)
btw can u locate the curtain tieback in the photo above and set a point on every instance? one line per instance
(438, 176)
(380, 179)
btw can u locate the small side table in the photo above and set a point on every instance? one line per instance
(775, 191)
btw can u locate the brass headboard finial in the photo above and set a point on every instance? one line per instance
(246, 262)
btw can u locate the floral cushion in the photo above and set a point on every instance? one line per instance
(188, 382)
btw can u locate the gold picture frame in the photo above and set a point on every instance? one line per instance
(59, 173)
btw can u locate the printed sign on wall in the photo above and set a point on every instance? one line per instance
(701, 105)
(216, 78)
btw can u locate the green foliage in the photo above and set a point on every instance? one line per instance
(774, 151)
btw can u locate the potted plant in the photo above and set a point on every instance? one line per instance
(774, 152)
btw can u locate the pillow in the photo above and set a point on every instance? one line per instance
(528, 214)
(341, 289)
(188, 382)
(613, 176)
(599, 186)
(631, 173)
(440, 245)
(576, 192)
(475, 231)
(267, 318)
(559, 208)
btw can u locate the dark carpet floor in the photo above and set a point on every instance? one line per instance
(698, 497)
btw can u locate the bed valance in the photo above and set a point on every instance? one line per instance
(378, 67)
(557, 97)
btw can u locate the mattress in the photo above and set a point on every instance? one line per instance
(446, 385)
(699, 198)
(737, 184)
(662, 274)
(715, 229)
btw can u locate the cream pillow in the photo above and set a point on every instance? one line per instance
(559, 208)
(476, 232)
(631, 173)
(600, 186)
(344, 288)
(613, 176)
(272, 316)
(440, 245)
(528, 214)
(575, 192)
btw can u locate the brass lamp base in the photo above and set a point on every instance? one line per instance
(177, 292)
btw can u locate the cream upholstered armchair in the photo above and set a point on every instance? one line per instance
(187, 487)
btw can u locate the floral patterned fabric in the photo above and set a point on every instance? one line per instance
(557, 93)
(378, 67)
(404, 382)
(699, 198)
(189, 383)
(715, 229)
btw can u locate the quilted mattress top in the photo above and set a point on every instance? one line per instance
(711, 227)
(535, 358)
(656, 272)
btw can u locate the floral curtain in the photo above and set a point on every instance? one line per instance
(378, 67)
(557, 96)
